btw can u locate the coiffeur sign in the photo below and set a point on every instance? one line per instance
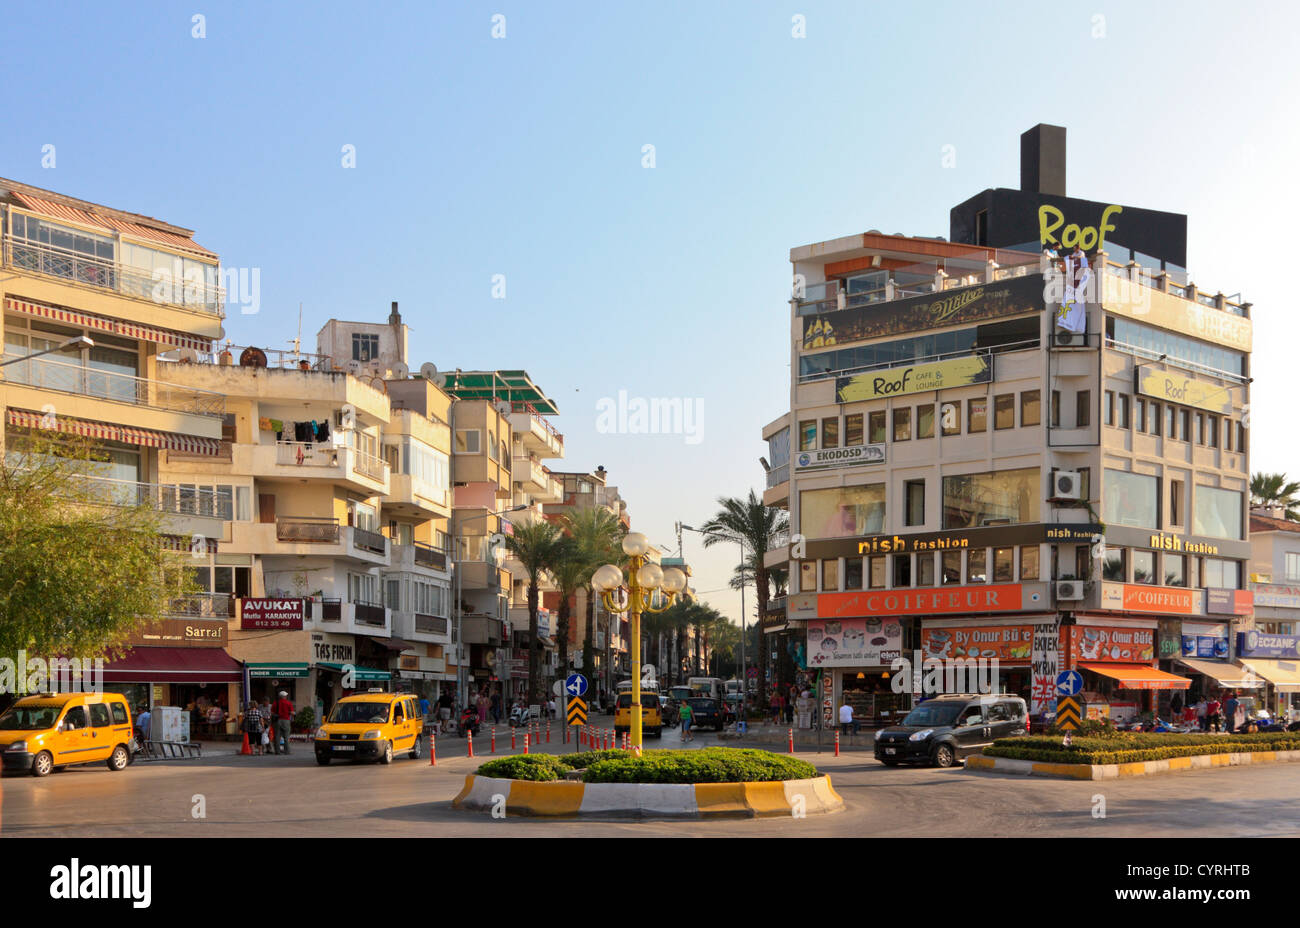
(999, 597)
(1131, 597)
(917, 378)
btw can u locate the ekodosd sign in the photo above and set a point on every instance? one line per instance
(839, 457)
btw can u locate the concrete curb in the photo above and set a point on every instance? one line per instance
(978, 763)
(785, 798)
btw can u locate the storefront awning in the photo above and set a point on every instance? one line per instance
(128, 435)
(174, 665)
(1138, 676)
(282, 670)
(361, 674)
(394, 644)
(1284, 675)
(1229, 675)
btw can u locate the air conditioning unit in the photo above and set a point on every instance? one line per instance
(1067, 485)
(1069, 590)
(1063, 339)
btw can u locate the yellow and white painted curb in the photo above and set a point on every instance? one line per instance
(1032, 768)
(788, 798)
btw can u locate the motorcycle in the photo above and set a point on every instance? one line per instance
(518, 716)
(468, 722)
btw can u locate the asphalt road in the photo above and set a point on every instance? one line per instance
(292, 796)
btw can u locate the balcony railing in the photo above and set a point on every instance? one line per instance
(62, 377)
(166, 498)
(525, 406)
(103, 274)
(429, 556)
(371, 466)
(203, 606)
(778, 475)
(433, 624)
(306, 454)
(331, 610)
(369, 541)
(369, 614)
(307, 529)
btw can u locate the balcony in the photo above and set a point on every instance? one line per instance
(186, 511)
(432, 624)
(418, 556)
(427, 499)
(321, 461)
(308, 535)
(203, 606)
(362, 618)
(112, 386)
(532, 430)
(307, 530)
(370, 541)
(102, 274)
(371, 614)
(482, 629)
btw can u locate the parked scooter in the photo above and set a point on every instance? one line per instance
(518, 716)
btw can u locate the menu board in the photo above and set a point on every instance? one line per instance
(1006, 643)
(1131, 645)
(857, 642)
(1046, 661)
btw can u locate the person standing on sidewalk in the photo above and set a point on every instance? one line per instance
(283, 717)
(1230, 713)
(251, 723)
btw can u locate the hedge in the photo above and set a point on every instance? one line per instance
(525, 767)
(706, 765)
(584, 759)
(1132, 747)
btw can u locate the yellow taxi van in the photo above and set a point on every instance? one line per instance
(372, 726)
(652, 720)
(39, 733)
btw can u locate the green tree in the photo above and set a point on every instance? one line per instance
(749, 522)
(82, 561)
(1270, 490)
(570, 572)
(597, 537)
(537, 546)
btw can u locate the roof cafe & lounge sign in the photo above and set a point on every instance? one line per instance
(916, 378)
(1175, 388)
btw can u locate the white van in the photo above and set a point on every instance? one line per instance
(706, 686)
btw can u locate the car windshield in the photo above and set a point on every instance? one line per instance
(29, 718)
(360, 713)
(934, 714)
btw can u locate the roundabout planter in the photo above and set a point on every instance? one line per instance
(649, 800)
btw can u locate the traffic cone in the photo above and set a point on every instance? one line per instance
(245, 749)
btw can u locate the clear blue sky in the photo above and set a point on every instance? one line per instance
(522, 156)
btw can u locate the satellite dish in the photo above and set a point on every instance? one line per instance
(354, 367)
(429, 371)
(252, 357)
(400, 370)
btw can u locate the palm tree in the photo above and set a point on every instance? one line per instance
(570, 572)
(597, 538)
(1274, 490)
(537, 546)
(753, 525)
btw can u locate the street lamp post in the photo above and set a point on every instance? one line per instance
(644, 580)
(461, 685)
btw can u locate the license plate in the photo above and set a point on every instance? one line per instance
(891, 750)
(345, 747)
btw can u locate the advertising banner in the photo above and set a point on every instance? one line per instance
(1133, 597)
(915, 378)
(1262, 644)
(1046, 661)
(1009, 644)
(1167, 311)
(1205, 646)
(1121, 645)
(180, 633)
(1276, 595)
(839, 457)
(1175, 388)
(271, 614)
(1229, 602)
(980, 597)
(854, 642)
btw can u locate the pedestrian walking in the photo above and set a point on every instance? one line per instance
(253, 726)
(774, 704)
(550, 707)
(283, 718)
(482, 704)
(424, 708)
(684, 713)
(444, 710)
(495, 708)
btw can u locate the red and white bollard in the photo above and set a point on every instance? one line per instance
(837, 742)
(469, 742)
(790, 732)
(526, 742)
(548, 732)
(493, 748)
(627, 740)
(433, 750)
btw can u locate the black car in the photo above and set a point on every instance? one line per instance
(945, 729)
(706, 711)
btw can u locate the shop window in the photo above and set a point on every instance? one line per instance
(1217, 513)
(902, 424)
(950, 418)
(951, 567)
(876, 427)
(1113, 567)
(1108, 408)
(878, 573)
(842, 512)
(977, 414)
(1004, 568)
(808, 435)
(831, 574)
(830, 433)
(902, 570)
(808, 576)
(1130, 499)
(853, 430)
(997, 498)
(925, 421)
(1144, 567)
(1175, 568)
(914, 494)
(853, 573)
(1029, 562)
(1218, 573)
(1004, 411)
(1176, 494)
(1031, 412)
(977, 565)
(925, 569)
(1083, 409)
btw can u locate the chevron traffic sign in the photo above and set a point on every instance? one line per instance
(1067, 713)
(577, 711)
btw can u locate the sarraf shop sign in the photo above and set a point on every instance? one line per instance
(1008, 643)
(180, 633)
(980, 597)
(916, 378)
(1015, 296)
(1122, 645)
(275, 614)
(855, 642)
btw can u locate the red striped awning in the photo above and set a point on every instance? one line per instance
(128, 435)
(173, 665)
(110, 223)
(113, 326)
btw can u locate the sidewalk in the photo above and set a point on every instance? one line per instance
(765, 733)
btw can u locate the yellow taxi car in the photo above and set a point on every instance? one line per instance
(652, 721)
(371, 726)
(39, 733)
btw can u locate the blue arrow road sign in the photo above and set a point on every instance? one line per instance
(575, 684)
(1068, 682)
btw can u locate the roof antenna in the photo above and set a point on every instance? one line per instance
(297, 342)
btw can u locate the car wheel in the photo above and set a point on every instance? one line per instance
(387, 756)
(415, 749)
(323, 760)
(42, 764)
(118, 760)
(944, 756)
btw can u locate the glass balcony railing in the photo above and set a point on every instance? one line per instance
(63, 377)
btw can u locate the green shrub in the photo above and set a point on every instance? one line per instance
(304, 719)
(1132, 747)
(707, 765)
(584, 759)
(525, 767)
